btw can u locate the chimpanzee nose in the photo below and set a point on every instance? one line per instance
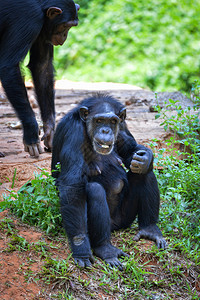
(105, 130)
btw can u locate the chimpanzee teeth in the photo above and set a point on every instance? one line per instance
(104, 146)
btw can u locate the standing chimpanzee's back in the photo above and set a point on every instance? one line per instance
(106, 180)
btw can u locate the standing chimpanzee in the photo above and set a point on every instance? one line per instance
(35, 25)
(91, 143)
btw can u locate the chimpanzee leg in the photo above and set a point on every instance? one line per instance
(41, 57)
(143, 200)
(99, 225)
(98, 215)
(74, 214)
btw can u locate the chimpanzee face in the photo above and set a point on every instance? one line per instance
(60, 33)
(61, 22)
(103, 130)
(102, 127)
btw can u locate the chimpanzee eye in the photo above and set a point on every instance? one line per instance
(98, 120)
(61, 28)
(113, 121)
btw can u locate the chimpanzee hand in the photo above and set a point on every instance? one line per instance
(153, 233)
(110, 255)
(84, 262)
(34, 149)
(114, 263)
(48, 128)
(141, 161)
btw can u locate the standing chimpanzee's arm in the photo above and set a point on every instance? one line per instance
(37, 24)
(17, 33)
(136, 157)
(41, 57)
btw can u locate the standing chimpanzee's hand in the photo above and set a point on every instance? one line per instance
(48, 135)
(141, 161)
(34, 150)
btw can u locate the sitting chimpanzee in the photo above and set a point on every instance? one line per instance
(35, 25)
(92, 144)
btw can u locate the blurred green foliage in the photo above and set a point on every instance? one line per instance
(153, 44)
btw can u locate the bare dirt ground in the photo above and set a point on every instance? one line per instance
(13, 265)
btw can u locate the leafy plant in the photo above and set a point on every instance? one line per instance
(56, 271)
(184, 123)
(179, 175)
(151, 44)
(37, 203)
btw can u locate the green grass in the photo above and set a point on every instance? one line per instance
(37, 203)
(151, 44)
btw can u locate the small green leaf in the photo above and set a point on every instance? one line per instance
(157, 116)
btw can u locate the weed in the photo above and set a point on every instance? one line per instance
(7, 225)
(13, 179)
(65, 295)
(37, 203)
(17, 243)
(179, 179)
(56, 272)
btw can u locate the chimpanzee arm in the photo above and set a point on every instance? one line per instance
(71, 182)
(136, 157)
(17, 35)
(41, 58)
(140, 160)
(74, 214)
(73, 207)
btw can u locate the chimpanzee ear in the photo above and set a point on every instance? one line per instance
(83, 112)
(122, 114)
(52, 12)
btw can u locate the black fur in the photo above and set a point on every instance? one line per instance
(97, 195)
(24, 25)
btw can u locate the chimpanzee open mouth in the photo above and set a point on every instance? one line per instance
(102, 148)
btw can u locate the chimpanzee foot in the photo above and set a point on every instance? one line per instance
(34, 150)
(153, 233)
(110, 255)
(84, 262)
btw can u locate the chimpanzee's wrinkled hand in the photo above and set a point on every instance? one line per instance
(141, 161)
(34, 150)
(114, 263)
(48, 135)
(110, 255)
(153, 233)
(84, 262)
